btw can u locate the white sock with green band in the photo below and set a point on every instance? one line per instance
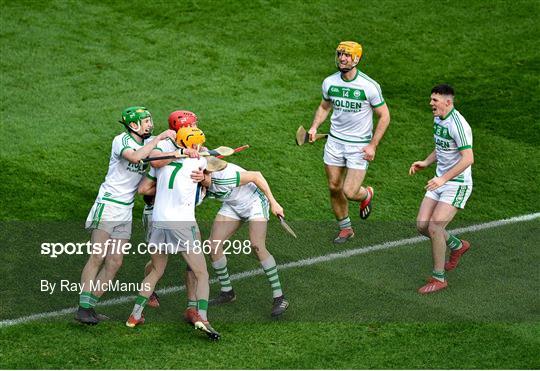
(202, 308)
(270, 269)
(220, 267)
(344, 223)
(138, 308)
(440, 276)
(453, 242)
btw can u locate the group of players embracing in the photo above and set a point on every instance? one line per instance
(172, 188)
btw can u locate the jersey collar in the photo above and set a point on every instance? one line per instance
(354, 78)
(448, 114)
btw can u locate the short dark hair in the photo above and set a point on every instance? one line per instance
(443, 89)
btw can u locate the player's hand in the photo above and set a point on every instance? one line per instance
(197, 176)
(417, 166)
(276, 209)
(312, 131)
(191, 153)
(369, 152)
(435, 183)
(167, 134)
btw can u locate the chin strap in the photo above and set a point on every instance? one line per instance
(143, 137)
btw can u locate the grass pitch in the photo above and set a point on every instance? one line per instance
(252, 72)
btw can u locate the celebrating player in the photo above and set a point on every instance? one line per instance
(174, 228)
(177, 119)
(246, 196)
(450, 189)
(110, 217)
(353, 97)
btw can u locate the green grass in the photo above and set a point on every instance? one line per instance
(487, 318)
(252, 73)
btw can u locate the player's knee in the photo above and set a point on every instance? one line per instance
(113, 264)
(200, 274)
(95, 260)
(158, 270)
(422, 227)
(349, 193)
(335, 187)
(434, 228)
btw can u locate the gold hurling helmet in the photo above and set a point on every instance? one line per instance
(349, 47)
(190, 136)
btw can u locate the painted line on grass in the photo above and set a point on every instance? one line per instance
(295, 264)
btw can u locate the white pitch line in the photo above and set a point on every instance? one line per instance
(299, 263)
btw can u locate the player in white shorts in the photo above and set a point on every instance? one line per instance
(177, 119)
(174, 228)
(246, 196)
(351, 144)
(110, 216)
(450, 189)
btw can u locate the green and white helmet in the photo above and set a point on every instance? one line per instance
(135, 115)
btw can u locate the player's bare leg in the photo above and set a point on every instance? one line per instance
(424, 215)
(257, 236)
(190, 314)
(352, 185)
(153, 300)
(197, 264)
(354, 191)
(159, 263)
(335, 176)
(222, 230)
(112, 264)
(441, 216)
(87, 300)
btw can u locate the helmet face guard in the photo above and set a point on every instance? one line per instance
(180, 119)
(190, 137)
(135, 115)
(351, 48)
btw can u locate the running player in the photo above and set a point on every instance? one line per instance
(110, 216)
(353, 97)
(450, 189)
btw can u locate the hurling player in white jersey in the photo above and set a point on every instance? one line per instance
(110, 217)
(246, 196)
(174, 228)
(177, 119)
(351, 144)
(451, 187)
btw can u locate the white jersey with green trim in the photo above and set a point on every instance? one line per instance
(353, 102)
(123, 177)
(226, 187)
(452, 134)
(176, 193)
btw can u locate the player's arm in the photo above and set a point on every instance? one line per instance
(466, 160)
(135, 156)
(147, 186)
(190, 152)
(421, 165)
(320, 115)
(383, 121)
(261, 183)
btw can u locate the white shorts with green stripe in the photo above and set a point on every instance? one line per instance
(109, 218)
(257, 209)
(451, 193)
(175, 240)
(349, 155)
